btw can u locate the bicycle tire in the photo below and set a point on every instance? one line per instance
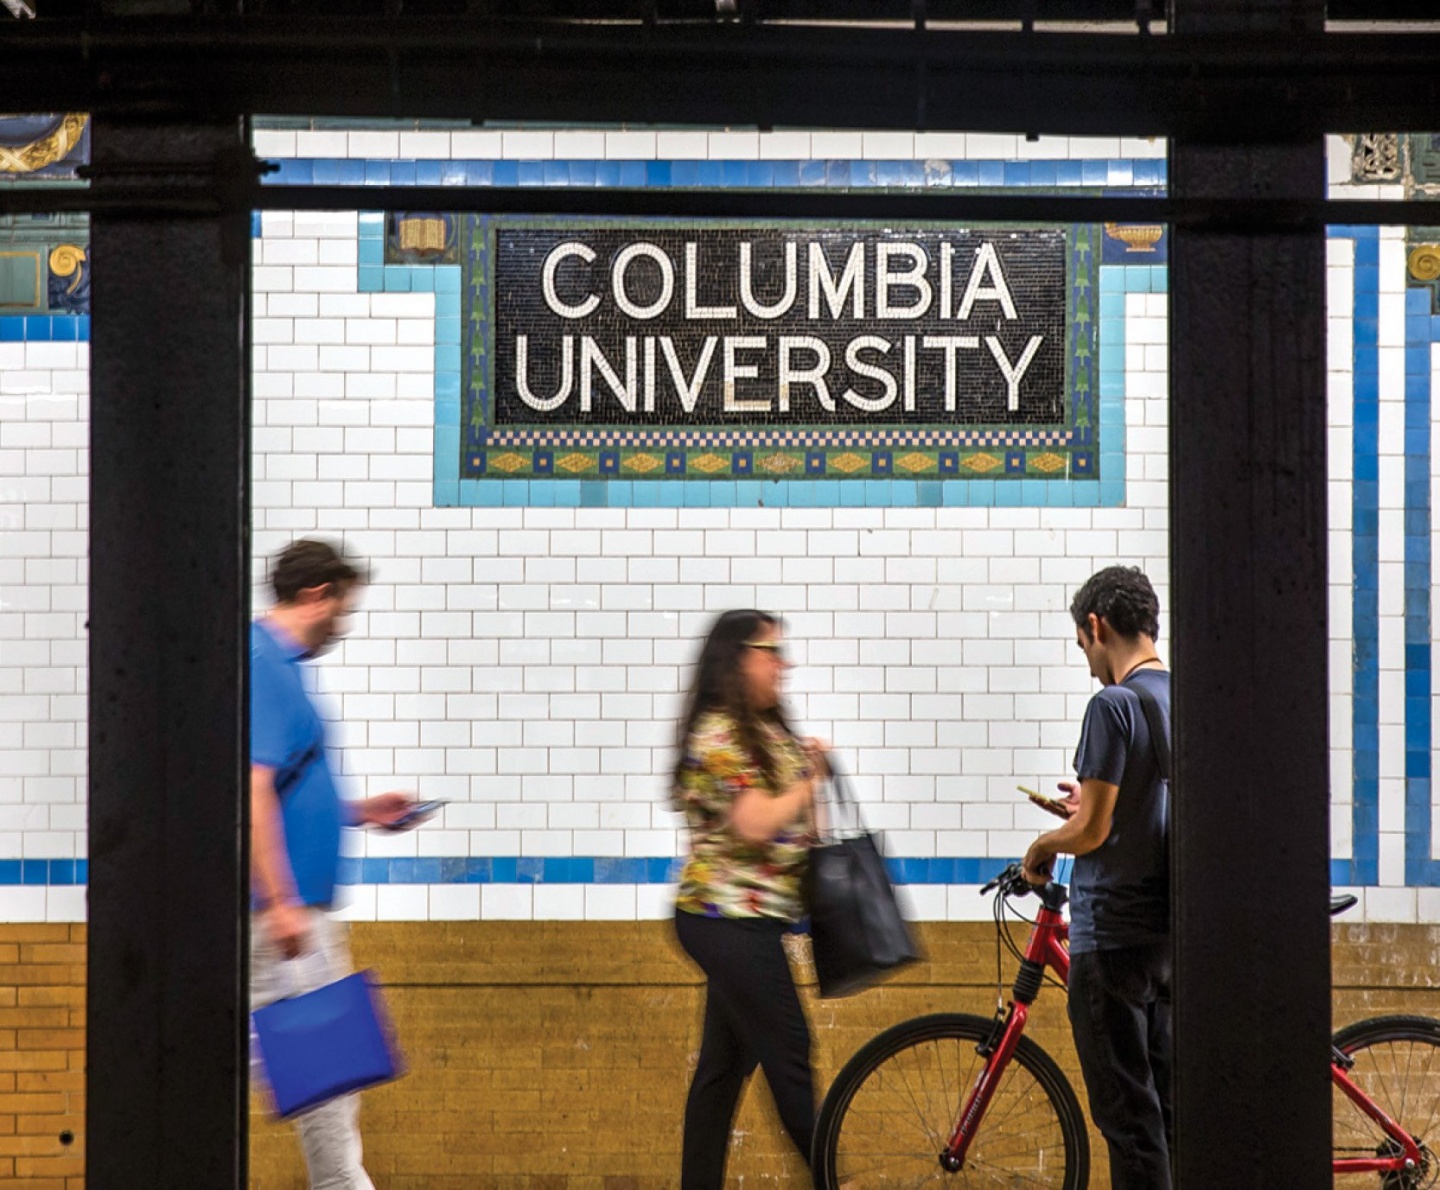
(1397, 1064)
(891, 1108)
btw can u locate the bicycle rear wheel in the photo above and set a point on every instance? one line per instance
(1397, 1064)
(891, 1109)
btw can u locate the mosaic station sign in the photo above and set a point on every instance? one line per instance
(646, 350)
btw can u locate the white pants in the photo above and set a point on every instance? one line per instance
(330, 1133)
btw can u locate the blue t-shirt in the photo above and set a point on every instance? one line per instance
(287, 735)
(1120, 892)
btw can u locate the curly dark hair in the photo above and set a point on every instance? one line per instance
(719, 685)
(1121, 596)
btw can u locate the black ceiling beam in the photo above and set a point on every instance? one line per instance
(946, 206)
(872, 11)
(1217, 88)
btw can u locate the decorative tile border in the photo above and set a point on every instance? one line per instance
(1115, 281)
(709, 454)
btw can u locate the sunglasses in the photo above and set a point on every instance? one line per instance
(773, 647)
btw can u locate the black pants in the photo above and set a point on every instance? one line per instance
(752, 1015)
(1120, 1012)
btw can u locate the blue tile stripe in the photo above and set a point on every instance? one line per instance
(45, 328)
(511, 869)
(1123, 174)
(43, 871)
(1422, 330)
(554, 870)
(1363, 865)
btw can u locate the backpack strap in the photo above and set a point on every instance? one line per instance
(288, 777)
(1159, 728)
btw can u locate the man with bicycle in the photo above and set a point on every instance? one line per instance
(1117, 820)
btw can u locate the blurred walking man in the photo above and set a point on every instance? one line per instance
(296, 818)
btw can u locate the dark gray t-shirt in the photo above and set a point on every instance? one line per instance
(1120, 892)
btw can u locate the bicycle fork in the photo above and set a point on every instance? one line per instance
(1045, 948)
(997, 1050)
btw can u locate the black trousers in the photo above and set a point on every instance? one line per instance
(1120, 1012)
(752, 1016)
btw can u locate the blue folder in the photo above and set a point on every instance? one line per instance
(325, 1043)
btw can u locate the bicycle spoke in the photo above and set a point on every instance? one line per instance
(1395, 1065)
(918, 1091)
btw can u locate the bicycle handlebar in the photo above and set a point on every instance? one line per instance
(1011, 882)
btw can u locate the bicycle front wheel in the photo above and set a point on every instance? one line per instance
(891, 1110)
(1397, 1064)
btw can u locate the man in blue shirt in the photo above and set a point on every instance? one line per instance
(1117, 826)
(296, 816)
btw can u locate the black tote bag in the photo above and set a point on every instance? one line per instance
(857, 932)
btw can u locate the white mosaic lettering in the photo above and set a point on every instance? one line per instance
(909, 373)
(790, 374)
(747, 294)
(649, 373)
(522, 374)
(987, 264)
(667, 280)
(947, 280)
(912, 278)
(592, 359)
(688, 390)
(1013, 374)
(951, 345)
(734, 371)
(693, 308)
(547, 280)
(852, 282)
(871, 372)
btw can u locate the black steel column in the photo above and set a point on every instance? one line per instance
(166, 1099)
(1248, 592)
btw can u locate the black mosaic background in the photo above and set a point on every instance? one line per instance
(1033, 262)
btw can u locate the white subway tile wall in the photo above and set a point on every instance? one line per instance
(44, 521)
(527, 664)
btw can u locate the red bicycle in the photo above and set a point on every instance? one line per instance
(958, 1100)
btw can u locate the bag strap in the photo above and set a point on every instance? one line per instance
(286, 778)
(1159, 728)
(841, 795)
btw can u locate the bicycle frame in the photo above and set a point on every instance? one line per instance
(1048, 946)
(1410, 1154)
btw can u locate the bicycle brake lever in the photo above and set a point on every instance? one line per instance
(1005, 877)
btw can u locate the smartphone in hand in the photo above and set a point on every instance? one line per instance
(415, 815)
(1053, 805)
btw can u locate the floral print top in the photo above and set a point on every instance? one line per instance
(726, 876)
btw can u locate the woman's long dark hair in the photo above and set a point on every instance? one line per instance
(719, 685)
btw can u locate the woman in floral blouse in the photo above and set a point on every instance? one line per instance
(745, 784)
